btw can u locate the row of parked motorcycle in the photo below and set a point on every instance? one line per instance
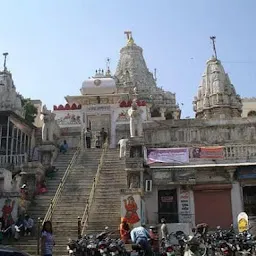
(201, 243)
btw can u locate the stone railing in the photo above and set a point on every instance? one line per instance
(16, 160)
(85, 218)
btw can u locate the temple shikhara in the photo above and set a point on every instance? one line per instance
(188, 171)
(105, 98)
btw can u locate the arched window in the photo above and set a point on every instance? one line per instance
(155, 112)
(168, 115)
(251, 113)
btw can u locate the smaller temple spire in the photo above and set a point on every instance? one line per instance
(5, 54)
(213, 38)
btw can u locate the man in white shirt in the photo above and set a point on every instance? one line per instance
(122, 143)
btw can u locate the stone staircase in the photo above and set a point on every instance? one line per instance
(42, 202)
(106, 207)
(71, 203)
(74, 198)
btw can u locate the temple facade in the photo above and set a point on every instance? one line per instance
(177, 166)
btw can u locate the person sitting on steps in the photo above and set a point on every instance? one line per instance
(64, 147)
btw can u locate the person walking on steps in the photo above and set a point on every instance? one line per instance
(88, 137)
(122, 144)
(103, 136)
(47, 241)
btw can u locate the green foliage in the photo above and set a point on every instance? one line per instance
(29, 109)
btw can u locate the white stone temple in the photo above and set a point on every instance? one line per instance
(105, 99)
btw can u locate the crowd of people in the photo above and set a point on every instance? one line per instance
(23, 226)
(100, 139)
(148, 240)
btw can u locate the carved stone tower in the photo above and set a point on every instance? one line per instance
(132, 72)
(9, 98)
(216, 97)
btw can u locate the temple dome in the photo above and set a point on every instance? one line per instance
(100, 84)
(216, 97)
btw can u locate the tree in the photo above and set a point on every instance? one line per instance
(29, 109)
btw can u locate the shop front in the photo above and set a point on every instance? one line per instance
(213, 205)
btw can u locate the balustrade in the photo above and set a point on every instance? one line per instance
(13, 159)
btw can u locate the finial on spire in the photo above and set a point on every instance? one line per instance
(213, 38)
(108, 72)
(128, 34)
(130, 40)
(5, 56)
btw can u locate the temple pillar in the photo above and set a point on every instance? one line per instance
(7, 136)
(17, 141)
(1, 128)
(12, 140)
(142, 180)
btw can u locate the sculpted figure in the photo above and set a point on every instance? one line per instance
(49, 124)
(135, 119)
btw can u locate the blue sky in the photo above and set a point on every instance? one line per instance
(54, 45)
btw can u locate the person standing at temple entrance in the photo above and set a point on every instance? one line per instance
(122, 144)
(88, 137)
(103, 136)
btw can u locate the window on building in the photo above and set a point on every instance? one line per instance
(155, 112)
(168, 115)
(249, 193)
(251, 113)
(1, 184)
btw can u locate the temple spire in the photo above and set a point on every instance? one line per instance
(5, 57)
(213, 38)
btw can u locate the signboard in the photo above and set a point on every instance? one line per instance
(167, 155)
(208, 152)
(246, 172)
(98, 108)
(185, 209)
(243, 222)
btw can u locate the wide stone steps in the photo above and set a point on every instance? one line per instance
(106, 206)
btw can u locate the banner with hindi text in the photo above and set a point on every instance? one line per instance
(208, 152)
(167, 155)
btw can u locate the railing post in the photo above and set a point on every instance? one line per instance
(51, 210)
(38, 235)
(79, 227)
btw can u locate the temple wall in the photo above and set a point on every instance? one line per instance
(204, 132)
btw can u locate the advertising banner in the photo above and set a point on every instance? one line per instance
(167, 155)
(208, 152)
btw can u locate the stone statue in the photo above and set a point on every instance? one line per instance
(49, 125)
(135, 114)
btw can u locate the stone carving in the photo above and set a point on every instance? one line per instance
(69, 119)
(135, 114)
(123, 116)
(134, 181)
(50, 129)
